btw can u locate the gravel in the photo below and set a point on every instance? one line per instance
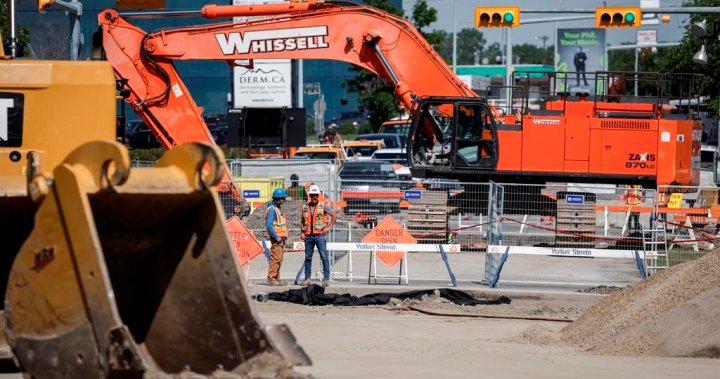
(674, 313)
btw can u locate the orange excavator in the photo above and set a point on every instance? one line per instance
(454, 132)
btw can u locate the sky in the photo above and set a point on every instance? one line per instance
(465, 9)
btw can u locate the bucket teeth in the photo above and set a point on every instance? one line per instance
(131, 273)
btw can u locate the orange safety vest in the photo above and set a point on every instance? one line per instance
(313, 221)
(279, 225)
(633, 197)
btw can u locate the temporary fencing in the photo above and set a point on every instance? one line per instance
(690, 219)
(558, 233)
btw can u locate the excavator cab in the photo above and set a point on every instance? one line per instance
(451, 135)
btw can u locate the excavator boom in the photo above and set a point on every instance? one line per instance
(386, 45)
(500, 146)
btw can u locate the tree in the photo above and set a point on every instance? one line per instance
(679, 59)
(469, 42)
(532, 54)
(493, 53)
(23, 34)
(444, 46)
(375, 95)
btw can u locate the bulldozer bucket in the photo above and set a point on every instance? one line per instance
(131, 273)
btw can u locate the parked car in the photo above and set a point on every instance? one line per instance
(398, 157)
(366, 184)
(392, 141)
(395, 127)
(362, 149)
(328, 152)
(363, 174)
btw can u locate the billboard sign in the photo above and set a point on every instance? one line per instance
(580, 53)
(268, 84)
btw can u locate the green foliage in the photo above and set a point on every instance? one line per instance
(469, 41)
(533, 54)
(442, 44)
(423, 15)
(375, 96)
(680, 59)
(150, 155)
(23, 34)
(492, 52)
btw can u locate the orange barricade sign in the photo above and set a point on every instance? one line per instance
(244, 242)
(389, 231)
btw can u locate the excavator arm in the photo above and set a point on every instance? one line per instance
(386, 45)
(376, 41)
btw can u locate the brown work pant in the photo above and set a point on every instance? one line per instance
(276, 257)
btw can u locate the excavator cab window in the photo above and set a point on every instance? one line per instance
(454, 134)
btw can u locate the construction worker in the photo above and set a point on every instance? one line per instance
(314, 225)
(634, 198)
(276, 225)
(295, 191)
(661, 199)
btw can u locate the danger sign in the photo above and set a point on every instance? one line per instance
(244, 242)
(390, 232)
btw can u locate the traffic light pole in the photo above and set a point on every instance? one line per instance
(508, 68)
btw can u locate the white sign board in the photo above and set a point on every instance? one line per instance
(267, 85)
(566, 252)
(647, 37)
(649, 18)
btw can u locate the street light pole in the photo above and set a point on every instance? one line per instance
(454, 41)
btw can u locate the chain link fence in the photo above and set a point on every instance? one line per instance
(559, 233)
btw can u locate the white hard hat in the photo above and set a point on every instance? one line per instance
(314, 190)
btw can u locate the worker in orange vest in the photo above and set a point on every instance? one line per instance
(634, 198)
(276, 225)
(314, 225)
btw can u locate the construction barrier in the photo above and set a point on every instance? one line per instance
(475, 215)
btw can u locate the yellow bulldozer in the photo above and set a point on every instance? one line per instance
(108, 270)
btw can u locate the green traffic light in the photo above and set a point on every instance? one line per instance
(508, 17)
(629, 17)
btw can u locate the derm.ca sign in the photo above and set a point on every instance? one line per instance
(268, 84)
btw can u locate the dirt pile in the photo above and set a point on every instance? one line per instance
(674, 313)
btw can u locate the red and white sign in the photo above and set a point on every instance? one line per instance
(244, 242)
(388, 231)
(647, 37)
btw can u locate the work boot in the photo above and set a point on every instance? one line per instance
(276, 283)
(306, 282)
(326, 283)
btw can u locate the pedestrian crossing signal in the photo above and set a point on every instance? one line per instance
(618, 17)
(497, 17)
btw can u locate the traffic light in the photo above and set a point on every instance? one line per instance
(618, 17)
(497, 17)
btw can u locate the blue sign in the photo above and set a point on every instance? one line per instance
(413, 194)
(575, 199)
(251, 194)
